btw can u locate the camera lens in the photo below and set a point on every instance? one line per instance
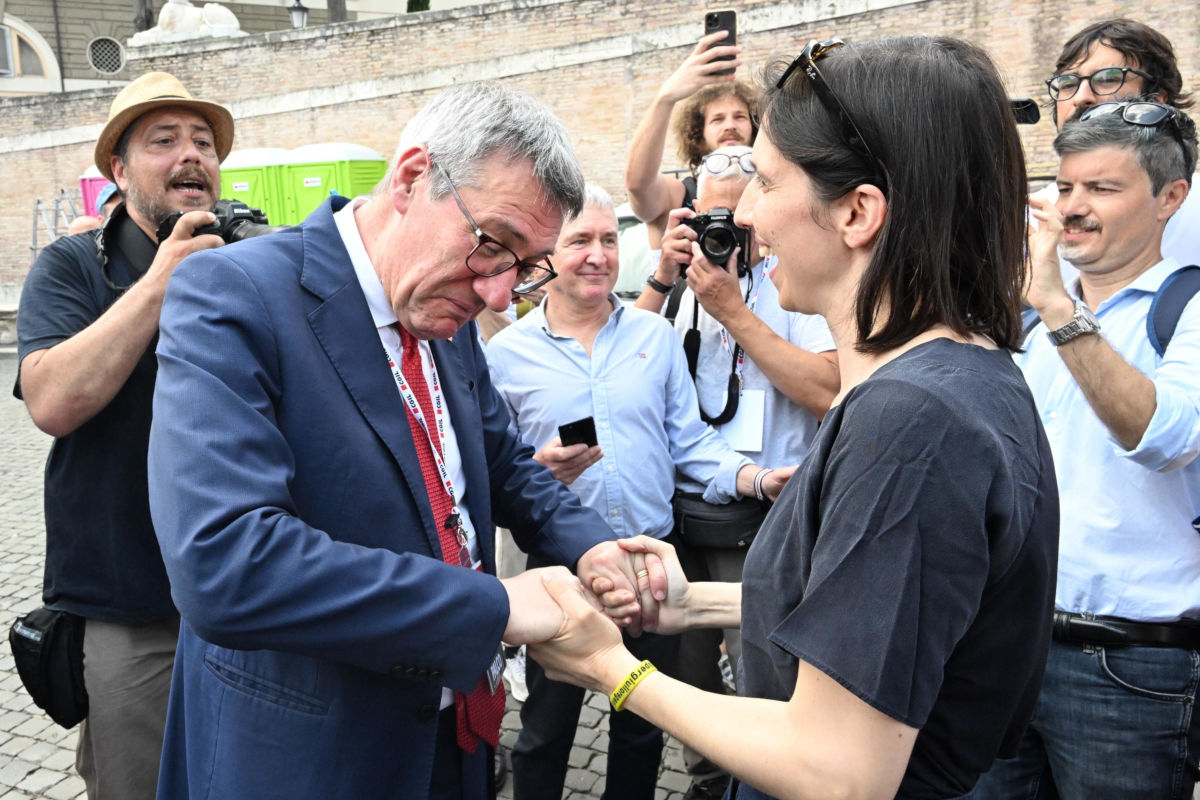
(717, 244)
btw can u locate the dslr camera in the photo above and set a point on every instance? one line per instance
(718, 237)
(235, 221)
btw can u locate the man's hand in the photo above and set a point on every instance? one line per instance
(697, 69)
(1044, 289)
(613, 575)
(775, 480)
(676, 246)
(567, 463)
(182, 242)
(533, 616)
(662, 567)
(716, 287)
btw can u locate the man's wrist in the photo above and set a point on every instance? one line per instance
(1057, 313)
(657, 285)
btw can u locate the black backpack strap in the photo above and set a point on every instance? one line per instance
(1168, 304)
(689, 192)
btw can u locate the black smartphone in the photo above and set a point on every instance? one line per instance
(722, 21)
(581, 431)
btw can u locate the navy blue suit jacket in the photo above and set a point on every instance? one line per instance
(320, 622)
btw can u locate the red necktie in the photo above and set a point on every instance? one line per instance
(480, 712)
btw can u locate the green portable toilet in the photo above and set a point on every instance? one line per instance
(253, 176)
(315, 171)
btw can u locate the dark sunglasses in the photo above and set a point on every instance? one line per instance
(1150, 115)
(813, 52)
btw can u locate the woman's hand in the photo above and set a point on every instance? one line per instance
(587, 651)
(659, 563)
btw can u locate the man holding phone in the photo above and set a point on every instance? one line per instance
(717, 110)
(579, 355)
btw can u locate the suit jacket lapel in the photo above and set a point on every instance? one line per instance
(343, 325)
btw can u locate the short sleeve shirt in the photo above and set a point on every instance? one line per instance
(912, 559)
(102, 557)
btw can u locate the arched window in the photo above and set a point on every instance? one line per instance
(25, 56)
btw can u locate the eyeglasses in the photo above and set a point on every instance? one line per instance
(1104, 82)
(808, 58)
(716, 163)
(490, 258)
(1151, 115)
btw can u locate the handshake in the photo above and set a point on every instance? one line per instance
(628, 584)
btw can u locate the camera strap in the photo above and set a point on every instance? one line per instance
(121, 232)
(691, 350)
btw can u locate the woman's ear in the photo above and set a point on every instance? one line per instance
(859, 215)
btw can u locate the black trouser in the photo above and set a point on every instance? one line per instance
(550, 717)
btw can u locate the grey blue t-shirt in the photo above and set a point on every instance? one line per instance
(912, 558)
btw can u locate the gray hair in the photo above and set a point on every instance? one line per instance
(1156, 148)
(597, 197)
(732, 172)
(465, 125)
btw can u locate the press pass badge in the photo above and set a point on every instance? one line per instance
(496, 669)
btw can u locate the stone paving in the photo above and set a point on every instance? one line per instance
(37, 756)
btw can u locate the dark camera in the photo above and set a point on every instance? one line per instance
(235, 221)
(718, 237)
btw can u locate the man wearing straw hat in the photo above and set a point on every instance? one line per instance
(87, 326)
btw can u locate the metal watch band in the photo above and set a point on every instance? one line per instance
(658, 285)
(1084, 322)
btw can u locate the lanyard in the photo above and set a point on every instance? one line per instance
(739, 358)
(414, 408)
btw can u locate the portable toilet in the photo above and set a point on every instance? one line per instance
(253, 176)
(90, 184)
(316, 171)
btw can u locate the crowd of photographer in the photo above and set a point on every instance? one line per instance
(279, 465)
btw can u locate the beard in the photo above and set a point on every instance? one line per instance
(154, 205)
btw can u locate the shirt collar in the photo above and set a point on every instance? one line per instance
(538, 315)
(381, 310)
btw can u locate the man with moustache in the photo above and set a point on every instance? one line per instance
(87, 326)
(717, 111)
(1118, 59)
(581, 354)
(1116, 713)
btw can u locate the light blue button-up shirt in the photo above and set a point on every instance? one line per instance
(1127, 547)
(636, 386)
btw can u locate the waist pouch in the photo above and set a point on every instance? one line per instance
(729, 526)
(47, 647)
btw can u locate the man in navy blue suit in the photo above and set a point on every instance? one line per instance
(328, 459)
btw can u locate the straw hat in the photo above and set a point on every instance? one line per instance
(152, 91)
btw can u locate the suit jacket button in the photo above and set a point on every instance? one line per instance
(397, 672)
(427, 712)
(435, 675)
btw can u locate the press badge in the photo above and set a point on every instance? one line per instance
(744, 432)
(496, 669)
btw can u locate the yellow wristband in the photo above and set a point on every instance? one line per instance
(622, 692)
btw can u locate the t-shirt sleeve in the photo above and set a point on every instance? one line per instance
(56, 300)
(901, 558)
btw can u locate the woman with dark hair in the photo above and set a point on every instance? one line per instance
(895, 606)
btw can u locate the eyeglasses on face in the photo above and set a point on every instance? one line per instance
(490, 258)
(716, 163)
(1150, 115)
(813, 52)
(1104, 82)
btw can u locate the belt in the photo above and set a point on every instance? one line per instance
(1090, 629)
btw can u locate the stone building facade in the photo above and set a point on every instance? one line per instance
(597, 63)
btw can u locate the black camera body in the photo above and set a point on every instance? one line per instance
(718, 236)
(235, 221)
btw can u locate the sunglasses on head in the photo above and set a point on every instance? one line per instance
(813, 52)
(1150, 115)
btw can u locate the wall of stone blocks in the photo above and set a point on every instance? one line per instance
(596, 63)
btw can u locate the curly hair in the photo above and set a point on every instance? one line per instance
(688, 122)
(1143, 46)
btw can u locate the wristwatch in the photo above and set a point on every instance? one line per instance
(1083, 322)
(658, 285)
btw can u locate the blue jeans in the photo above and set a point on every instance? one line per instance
(1115, 722)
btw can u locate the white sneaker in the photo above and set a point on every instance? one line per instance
(514, 675)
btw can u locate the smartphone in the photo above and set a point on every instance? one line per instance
(581, 431)
(722, 21)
